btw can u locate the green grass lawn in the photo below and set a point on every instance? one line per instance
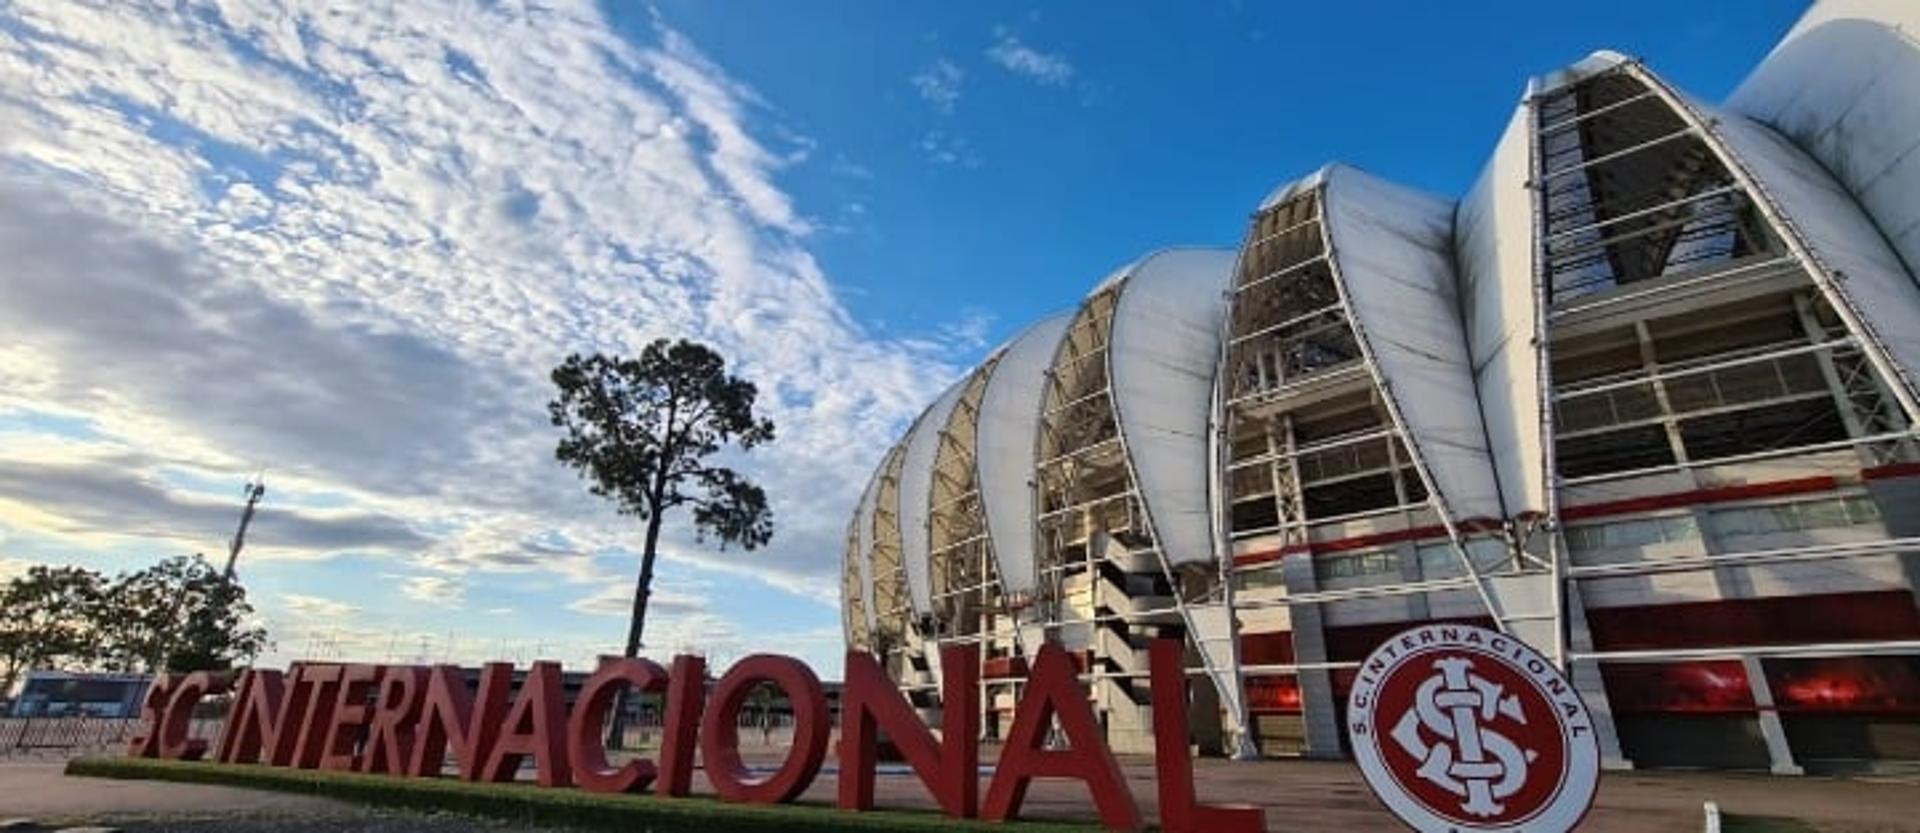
(530, 804)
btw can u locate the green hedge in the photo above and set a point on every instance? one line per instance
(531, 804)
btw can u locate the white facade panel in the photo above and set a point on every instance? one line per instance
(1164, 354)
(916, 493)
(1393, 256)
(863, 537)
(1493, 235)
(1009, 425)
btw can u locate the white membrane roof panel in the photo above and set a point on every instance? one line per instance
(1164, 354)
(863, 542)
(1838, 233)
(1393, 252)
(1005, 446)
(1844, 85)
(916, 495)
(1493, 236)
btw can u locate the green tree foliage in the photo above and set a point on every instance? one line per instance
(178, 615)
(47, 617)
(642, 433)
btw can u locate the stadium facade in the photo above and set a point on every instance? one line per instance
(1645, 398)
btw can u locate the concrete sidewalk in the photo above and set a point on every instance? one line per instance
(1298, 796)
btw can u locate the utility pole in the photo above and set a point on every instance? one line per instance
(254, 491)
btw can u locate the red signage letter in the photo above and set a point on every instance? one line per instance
(323, 687)
(258, 722)
(533, 728)
(686, 696)
(1054, 690)
(153, 712)
(1180, 812)
(720, 731)
(870, 702)
(175, 727)
(586, 749)
(451, 717)
(389, 749)
(347, 722)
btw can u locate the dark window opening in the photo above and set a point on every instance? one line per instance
(1256, 514)
(1625, 450)
(1764, 429)
(1346, 497)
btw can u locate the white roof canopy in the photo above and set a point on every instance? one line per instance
(1857, 132)
(916, 493)
(1392, 251)
(1162, 358)
(1009, 422)
(1493, 235)
(863, 538)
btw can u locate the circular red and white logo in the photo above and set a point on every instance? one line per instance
(1459, 728)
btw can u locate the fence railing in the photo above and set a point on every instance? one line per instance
(68, 737)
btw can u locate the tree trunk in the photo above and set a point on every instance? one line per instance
(642, 589)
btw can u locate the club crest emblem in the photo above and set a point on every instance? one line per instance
(1461, 728)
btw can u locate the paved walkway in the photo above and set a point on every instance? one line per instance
(1309, 796)
(1299, 796)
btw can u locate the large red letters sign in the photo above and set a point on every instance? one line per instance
(408, 721)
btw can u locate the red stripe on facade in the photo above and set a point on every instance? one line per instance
(1721, 494)
(1889, 472)
(1358, 542)
(1649, 503)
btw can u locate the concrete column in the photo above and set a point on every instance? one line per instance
(1419, 609)
(1779, 752)
(1310, 647)
(1729, 582)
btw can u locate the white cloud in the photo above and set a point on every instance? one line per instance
(939, 84)
(316, 607)
(11, 568)
(346, 247)
(435, 590)
(615, 598)
(949, 149)
(1049, 68)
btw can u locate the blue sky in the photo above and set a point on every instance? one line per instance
(343, 248)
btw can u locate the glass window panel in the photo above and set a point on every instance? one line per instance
(1439, 561)
(1489, 553)
(1632, 534)
(1823, 514)
(1863, 509)
(1582, 539)
(1679, 528)
(1738, 521)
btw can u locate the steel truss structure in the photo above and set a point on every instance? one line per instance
(1645, 398)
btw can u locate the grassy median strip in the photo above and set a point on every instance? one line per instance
(530, 804)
